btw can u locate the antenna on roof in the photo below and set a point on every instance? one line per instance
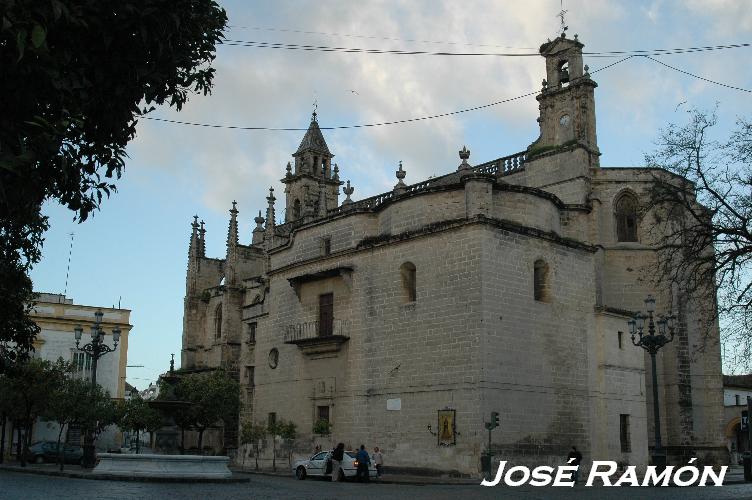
(67, 271)
(563, 28)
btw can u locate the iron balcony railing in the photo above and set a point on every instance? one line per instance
(312, 330)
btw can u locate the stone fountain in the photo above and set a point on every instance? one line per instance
(169, 464)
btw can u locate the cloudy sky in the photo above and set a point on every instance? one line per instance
(134, 252)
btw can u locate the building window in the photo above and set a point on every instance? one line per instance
(252, 333)
(81, 362)
(407, 273)
(218, 321)
(296, 209)
(326, 315)
(626, 217)
(272, 419)
(737, 399)
(250, 375)
(322, 413)
(326, 246)
(620, 336)
(624, 438)
(540, 281)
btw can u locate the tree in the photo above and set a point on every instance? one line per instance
(136, 415)
(703, 223)
(288, 431)
(76, 76)
(66, 405)
(251, 433)
(26, 389)
(214, 397)
(321, 427)
(273, 429)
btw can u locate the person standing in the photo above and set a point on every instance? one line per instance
(338, 454)
(363, 461)
(576, 458)
(378, 459)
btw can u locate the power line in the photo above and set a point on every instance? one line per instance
(355, 50)
(366, 125)
(373, 37)
(697, 76)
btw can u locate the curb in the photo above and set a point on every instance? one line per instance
(392, 479)
(117, 477)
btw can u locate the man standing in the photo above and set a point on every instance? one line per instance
(363, 461)
(378, 459)
(337, 457)
(574, 458)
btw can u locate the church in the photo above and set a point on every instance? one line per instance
(502, 290)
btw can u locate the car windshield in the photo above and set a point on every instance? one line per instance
(351, 454)
(320, 456)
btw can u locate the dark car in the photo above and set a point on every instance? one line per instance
(46, 451)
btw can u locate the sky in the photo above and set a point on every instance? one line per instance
(134, 251)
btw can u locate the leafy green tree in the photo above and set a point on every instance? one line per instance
(76, 77)
(214, 397)
(136, 415)
(27, 388)
(66, 405)
(251, 433)
(321, 427)
(274, 429)
(288, 431)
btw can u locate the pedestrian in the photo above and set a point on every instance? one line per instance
(378, 459)
(576, 458)
(363, 461)
(338, 454)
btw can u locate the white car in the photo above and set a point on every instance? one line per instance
(319, 465)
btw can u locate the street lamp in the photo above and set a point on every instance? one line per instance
(96, 349)
(652, 342)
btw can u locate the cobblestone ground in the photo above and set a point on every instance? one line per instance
(16, 486)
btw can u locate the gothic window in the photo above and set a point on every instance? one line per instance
(218, 321)
(407, 272)
(540, 281)
(563, 72)
(626, 217)
(252, 333)
(296, 209)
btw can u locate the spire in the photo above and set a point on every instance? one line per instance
(313, 140)
(194, 247)
(270, 211)
(232, 230)
(202, 240)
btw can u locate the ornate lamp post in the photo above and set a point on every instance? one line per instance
(96, 349)
(652, 342)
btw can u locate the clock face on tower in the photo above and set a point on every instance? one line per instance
(564, 120)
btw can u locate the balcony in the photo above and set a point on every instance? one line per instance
(316, 338)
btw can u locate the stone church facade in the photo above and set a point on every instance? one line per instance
(403, 320)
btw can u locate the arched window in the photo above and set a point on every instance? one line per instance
(625, 210)
(218, 321)
(296, 209)
(541, 290)
(407, 272)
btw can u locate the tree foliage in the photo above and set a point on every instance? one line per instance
(136, 415)
(705, 226)
(214, 397)
(76, 76)
(251, 433)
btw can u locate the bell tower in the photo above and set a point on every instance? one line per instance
(311, 181)
(566, 101)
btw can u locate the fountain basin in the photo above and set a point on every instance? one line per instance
(162, 466)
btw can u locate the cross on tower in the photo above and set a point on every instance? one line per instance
(563, 28)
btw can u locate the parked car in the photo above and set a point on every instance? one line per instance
(46, 451)
(319, 465)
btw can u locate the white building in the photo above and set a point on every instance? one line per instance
(736, 389)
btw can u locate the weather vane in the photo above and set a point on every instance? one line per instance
(560, 15)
